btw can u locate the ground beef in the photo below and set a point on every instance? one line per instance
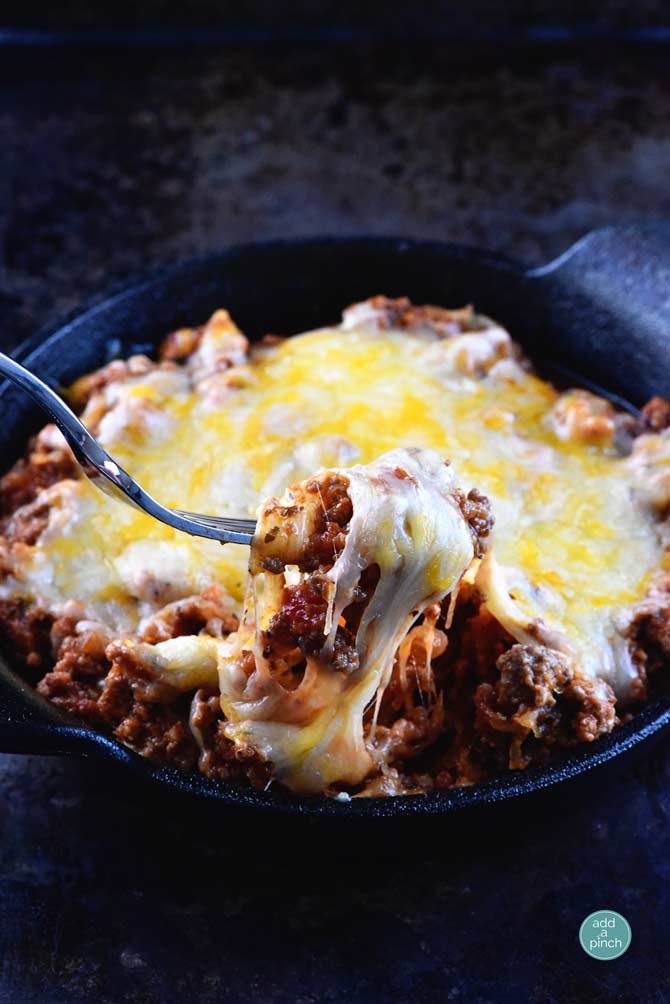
(331, 511)
(75, 682)
(6, 560)
(29, 521)
(655, 635)
(161, 733)
(66, 625)
(476, 642)
(363, 593)
(47, 462)
(220, 758)
(411, 734)
(528, 678)
(217, 756)
(402, 313)
(119, 369)
(25, 635)
(180, 344)
(476, 510)
(105, 686)
(589, 711)
(300, 623)
(538, 697)
(626, 429)
(650, 640)
(300, 627)
(656, 414)
(580, 416)
(209, 612)
(333, 517)
(128, 666)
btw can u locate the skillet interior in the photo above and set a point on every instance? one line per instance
(288, 287)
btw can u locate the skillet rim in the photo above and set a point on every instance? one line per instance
(145, 280)
(59, 733)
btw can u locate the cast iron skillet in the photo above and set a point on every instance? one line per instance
(601, 310)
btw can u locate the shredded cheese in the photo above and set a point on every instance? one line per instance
(575, 546)
(407, 523)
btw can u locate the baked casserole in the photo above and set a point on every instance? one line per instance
(458, 569)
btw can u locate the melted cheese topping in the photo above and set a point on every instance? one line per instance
(406, 521)
(572, 549)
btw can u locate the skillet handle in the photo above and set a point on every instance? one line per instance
(28, 725)
(609, 297)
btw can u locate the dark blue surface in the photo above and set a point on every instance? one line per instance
(103, 899)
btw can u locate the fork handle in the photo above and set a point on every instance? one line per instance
(101, 469)
(51, 402)
(88, 452)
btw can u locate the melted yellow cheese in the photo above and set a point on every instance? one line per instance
(406, 521)
(571, 547)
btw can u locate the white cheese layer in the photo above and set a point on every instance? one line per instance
(407, 522)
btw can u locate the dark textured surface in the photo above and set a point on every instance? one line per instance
(117, 162)
(112, 162)
(444, 17)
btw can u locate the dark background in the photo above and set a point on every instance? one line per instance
(206, 127)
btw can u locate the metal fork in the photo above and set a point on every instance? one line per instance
(104, 472)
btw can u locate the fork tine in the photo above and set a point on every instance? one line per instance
(200, 517)
(218, 520)
(223, 522)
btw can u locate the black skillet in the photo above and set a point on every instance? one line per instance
(601, 310)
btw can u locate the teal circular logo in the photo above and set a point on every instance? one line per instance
(605, 935)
